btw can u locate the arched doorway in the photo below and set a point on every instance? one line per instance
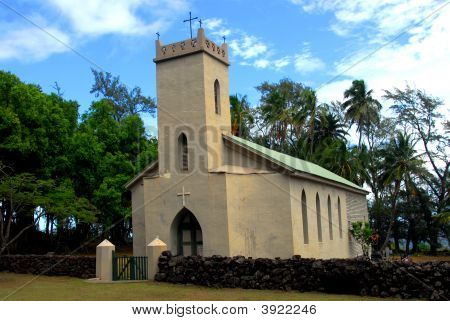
(187, 234)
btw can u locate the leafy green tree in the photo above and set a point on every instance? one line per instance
(125, 102)
(281, 114)
(418, 112)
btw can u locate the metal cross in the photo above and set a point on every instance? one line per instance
(190, 21)
(183, 194)
(157, 35)
(224, 38)
(200, 22)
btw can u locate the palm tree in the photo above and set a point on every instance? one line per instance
(345, 161)
(309, 101)
(328, 126)
(361, 108)
(241, 117)
(400, 164)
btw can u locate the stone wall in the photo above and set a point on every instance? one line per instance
(346, 276)
(76, 266)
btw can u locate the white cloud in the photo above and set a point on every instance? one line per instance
(248, 47)
(421, 57)
(305, 62)
(378, 19)
(29, 43)
(216, 27)
(98, 17)
(81, 21)
(249, 50)
(261, 63)
(282, 62)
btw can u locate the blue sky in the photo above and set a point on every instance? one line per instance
(305, 40)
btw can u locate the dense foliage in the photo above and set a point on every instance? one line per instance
(62, 174)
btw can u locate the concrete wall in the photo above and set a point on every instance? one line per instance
(138, 218)
(356, 211)
(259, 215)
(207, 201)
(335, 248)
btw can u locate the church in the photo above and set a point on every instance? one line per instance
(212, 193)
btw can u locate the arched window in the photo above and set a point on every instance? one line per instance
(319, 219)
(339, 217)
(217, 96)
(305, 219)
(330, 218)
(183, 152)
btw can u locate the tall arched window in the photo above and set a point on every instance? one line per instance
(217, 96)
(183, 152)
(305, 218)
(339, 217)
(319, 219)
(330, 218)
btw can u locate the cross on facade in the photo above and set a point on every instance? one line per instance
(190, 21)
(200, 22)
(183, 194)
(224, 38)
(157, 34)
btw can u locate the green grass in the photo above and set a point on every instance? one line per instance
(25, 287)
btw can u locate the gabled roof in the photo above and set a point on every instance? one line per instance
(291, 163)
(144, 173)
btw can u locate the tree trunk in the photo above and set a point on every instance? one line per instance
(396, 237)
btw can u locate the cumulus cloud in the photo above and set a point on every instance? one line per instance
(28, 43)
(248, 50)
(305, 62)
(98, 17)
(81, 21)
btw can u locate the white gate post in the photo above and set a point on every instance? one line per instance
(154, 250)
(103, 260)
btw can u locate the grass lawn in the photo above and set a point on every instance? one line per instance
(67, 288)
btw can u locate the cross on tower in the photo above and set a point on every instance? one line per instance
(190, 21)
(183, 194)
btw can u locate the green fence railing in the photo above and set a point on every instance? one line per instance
(129, 267)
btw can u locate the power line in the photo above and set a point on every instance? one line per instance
(404, 31)
(48, 33)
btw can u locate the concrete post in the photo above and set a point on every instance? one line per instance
(103, 260)
(154, 250)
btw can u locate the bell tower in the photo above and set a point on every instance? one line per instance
(193, 104)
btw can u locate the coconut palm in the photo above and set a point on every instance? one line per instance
(360, 107)
(328, 126)
(241, 117)
(401, 163)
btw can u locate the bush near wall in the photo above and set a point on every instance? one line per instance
(346, 276)
(67, 265)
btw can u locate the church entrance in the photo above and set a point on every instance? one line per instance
(189, 238)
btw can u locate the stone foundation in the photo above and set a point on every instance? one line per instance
(59, 265)
(429, 281)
